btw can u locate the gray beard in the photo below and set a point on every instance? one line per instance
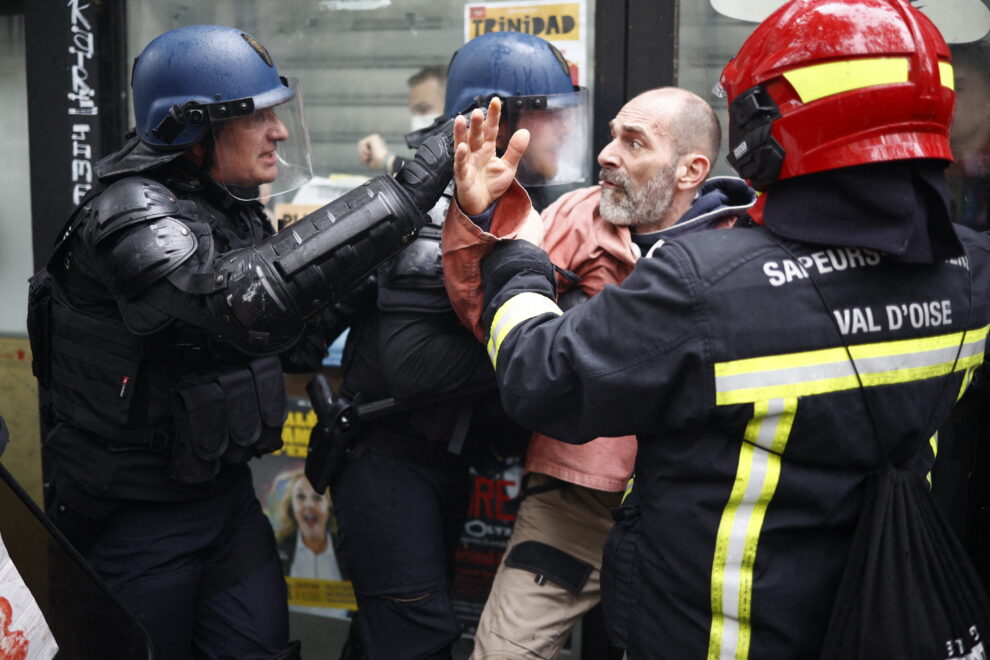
(638, 206)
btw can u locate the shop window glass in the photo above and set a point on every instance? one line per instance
(353, 58)
(711, 31)
(969, 176)
(15, 213)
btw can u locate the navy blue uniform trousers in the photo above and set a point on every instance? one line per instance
(399, 523)
(202, 576)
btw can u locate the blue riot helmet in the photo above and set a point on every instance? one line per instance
(534, 82)
(204, 81)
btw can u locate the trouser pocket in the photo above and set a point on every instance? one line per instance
(549, 563)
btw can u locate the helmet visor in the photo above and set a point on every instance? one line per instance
(261, 145)
(558, 151)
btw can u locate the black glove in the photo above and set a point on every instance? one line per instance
(426, 176)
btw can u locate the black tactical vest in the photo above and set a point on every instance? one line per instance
(148, 416)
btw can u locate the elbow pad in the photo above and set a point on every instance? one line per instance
(313, 262)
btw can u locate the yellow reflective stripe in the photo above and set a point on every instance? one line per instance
(829, 370)
(820, 80)
(967, 380)
(933, 443)
(629, 487)
(757, 476)
(947, 75)
(859, 351)
(520, 307)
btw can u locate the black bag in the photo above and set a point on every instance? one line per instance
(908, 590)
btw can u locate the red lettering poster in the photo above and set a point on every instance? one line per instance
(491, 514)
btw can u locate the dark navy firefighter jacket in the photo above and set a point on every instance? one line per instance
(728, 354)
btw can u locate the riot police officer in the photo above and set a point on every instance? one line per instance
(401, 500)
(163, 322)
(535, 83)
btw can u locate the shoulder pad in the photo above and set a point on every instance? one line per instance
(149, 253)
(131, 201)
(418, 264)
(413, 279)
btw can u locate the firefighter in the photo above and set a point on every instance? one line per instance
(767, 369)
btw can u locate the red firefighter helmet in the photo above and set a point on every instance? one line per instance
(824, 84)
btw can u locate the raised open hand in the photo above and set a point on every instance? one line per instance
(480, 176)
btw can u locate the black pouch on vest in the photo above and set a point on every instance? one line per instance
(908, 590)
(227, 417)
(269, 385)
(243, 416)
(549, 563)
(39, 325)
(201, 432)
(40, 292)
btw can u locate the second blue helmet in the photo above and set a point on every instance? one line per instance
(504, 64)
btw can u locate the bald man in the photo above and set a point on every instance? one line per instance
(653, 185)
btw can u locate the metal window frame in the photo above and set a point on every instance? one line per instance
(50, 61)
(635, 50)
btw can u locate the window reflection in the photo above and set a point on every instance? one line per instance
(969, 176)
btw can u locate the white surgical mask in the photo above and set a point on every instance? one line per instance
(416, 122)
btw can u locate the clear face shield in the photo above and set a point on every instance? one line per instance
(558, 151)
(261, 144)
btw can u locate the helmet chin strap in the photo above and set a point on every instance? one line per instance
(753, 151)
(202, 154)
(215, 191)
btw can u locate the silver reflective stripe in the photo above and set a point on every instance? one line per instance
(515, 310)
(829, 370)
(843, 369)
(757, 477)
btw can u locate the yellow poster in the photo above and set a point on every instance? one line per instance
(303, 521)
(560, 23)
(286, 214)
(553, 22)
(305, 592)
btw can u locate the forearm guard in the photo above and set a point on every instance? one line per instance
(314, 261)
